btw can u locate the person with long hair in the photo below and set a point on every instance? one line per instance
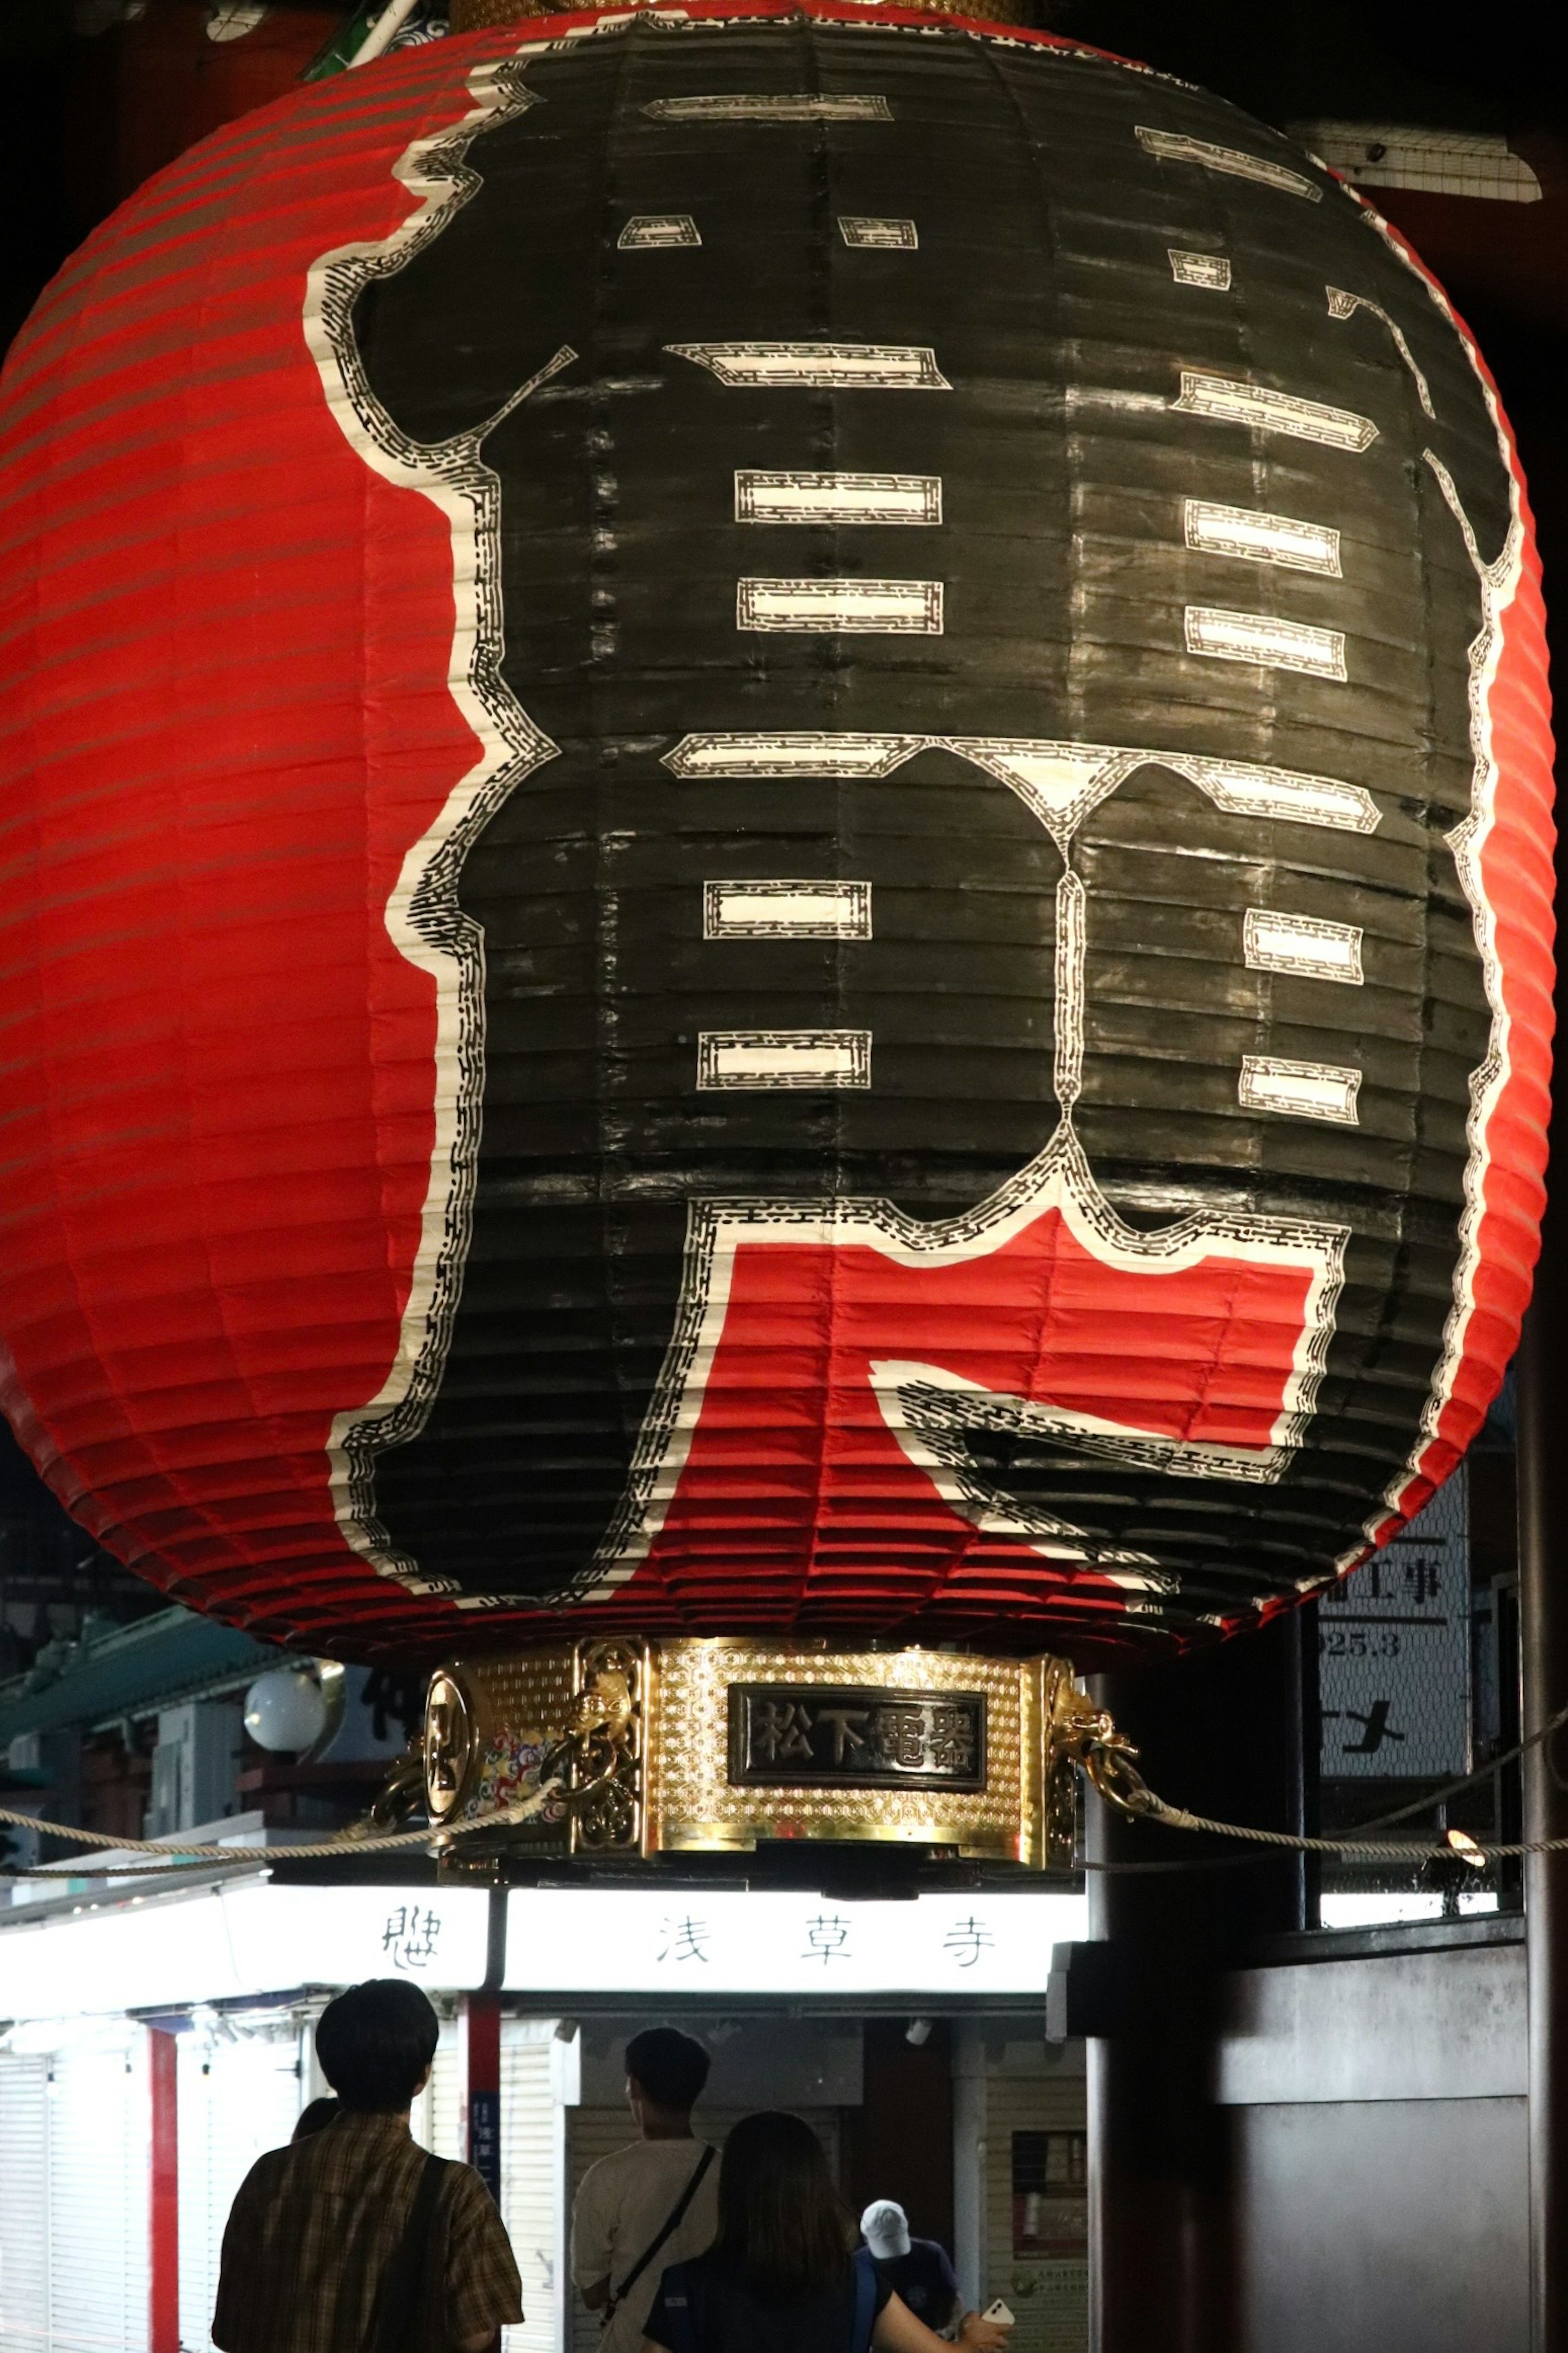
(781, 2277)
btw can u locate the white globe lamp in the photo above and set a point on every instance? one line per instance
(286, 1709)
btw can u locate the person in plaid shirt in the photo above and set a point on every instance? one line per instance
(314, 2255)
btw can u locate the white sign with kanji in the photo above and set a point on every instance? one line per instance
(220, 1943)
(1395, 1652)
(724, 1940)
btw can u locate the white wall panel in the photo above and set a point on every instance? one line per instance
(99, 2172)
(24, 2204)
(532, 2165)
(437, 2119)
(237, 2099)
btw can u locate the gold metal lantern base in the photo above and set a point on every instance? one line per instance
(717, 1746)
(469, 15)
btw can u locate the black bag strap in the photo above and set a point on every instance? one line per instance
(672, 2222)
(400, 2305)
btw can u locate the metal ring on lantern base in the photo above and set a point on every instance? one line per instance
(719, 1745)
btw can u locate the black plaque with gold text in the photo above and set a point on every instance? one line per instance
(863, 1738)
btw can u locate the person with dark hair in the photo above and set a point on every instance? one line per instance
(352, 2239)
(780, 2277)
(653, 2202)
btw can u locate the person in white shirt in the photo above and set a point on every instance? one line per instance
(653, 2203)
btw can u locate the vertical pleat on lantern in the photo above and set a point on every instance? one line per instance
(779, 851)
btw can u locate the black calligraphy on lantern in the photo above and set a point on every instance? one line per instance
(800, 1118)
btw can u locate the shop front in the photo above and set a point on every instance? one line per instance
(152, 2046)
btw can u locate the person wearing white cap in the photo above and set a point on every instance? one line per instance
(918, 2270)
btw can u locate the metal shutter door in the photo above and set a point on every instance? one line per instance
(24, 2204)
(237, 2100)
(594, 2133)
(530, 2180)
(437, 2121)
(99, 2164)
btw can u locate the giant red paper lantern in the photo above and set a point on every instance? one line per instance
(776, 853)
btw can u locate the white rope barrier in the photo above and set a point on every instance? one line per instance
(171, 1852)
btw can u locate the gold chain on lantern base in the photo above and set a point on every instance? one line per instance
(718, 1746)
(470, 16)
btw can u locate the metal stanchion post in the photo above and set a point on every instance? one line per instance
(1221, 1734)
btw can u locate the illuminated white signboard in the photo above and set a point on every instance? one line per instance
(244, 1939)
(251, 1938)
(728, 1941)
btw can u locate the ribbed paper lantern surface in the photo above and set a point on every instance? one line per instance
(777, 851)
